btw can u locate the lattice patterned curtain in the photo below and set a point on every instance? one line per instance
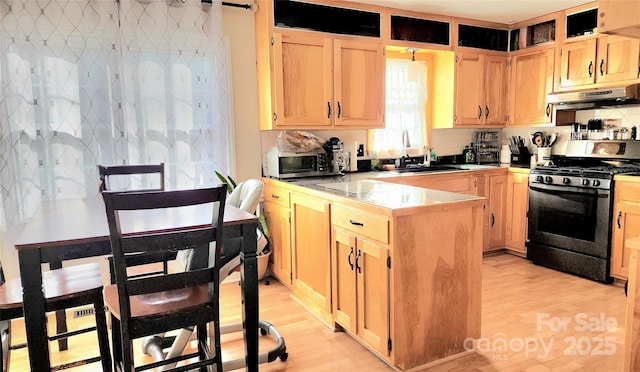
(86, 82)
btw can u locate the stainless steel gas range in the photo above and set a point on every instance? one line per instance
(570, 206)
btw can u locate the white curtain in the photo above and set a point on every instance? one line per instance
(86, 82)
(406, 95)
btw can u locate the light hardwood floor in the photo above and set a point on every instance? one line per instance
(523, 305)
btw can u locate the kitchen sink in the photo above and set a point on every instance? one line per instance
(422, 169)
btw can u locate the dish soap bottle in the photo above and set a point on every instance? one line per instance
(471, 155)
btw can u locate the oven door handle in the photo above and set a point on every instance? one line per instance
(557, 190)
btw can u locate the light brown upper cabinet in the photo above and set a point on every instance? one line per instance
(599, 59)
(481, 89)
(619, 17)
(531, 81)
(321, 82)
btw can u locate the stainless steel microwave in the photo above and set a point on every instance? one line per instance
(295, 165)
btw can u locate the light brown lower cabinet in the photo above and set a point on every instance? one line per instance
(277, 213)
(517, 205)
(625, 225)
(361, 289)
(310, 253)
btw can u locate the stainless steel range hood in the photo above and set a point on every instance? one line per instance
(596, 98)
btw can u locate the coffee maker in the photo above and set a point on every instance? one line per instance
(338, 157)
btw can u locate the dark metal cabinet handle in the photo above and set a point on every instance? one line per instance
(590, 68)
(275, 196)
(339, 110)
(548, 110)
(275, 116)
(349, 258)
(601, 67)
(493, 219)
(479, 112)
(358, 258)
(619, 216)
(356, 223)
(486, 112)
(328, 110)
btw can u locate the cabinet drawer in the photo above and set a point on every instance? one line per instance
(276, 195)
(627, 191)
(361, 223)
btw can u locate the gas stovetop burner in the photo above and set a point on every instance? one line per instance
(573, 167)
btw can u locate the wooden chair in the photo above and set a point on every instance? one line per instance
(64, 288)
(137, 177)
(143, 306)
(128, 178)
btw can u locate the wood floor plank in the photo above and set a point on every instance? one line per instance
(522, 304)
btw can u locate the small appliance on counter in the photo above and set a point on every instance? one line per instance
(284, 165)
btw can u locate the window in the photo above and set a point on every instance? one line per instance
(406, 95)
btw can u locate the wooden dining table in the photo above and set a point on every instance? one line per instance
(63, 230)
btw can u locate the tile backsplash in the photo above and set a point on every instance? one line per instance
(452, 141)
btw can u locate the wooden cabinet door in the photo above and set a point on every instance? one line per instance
(469, 89)
(531, 81)
(517, 205)
(618, 59)
(495, 90)
(279, 225)
(303, 81)
(497, 211)
(619, 17)
(626, 224)
(359, 77)
(344, 280)
(311, 258)
(373, 284)
(577, 65)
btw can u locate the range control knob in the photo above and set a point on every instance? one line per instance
(596, 183)
(548, 179)
(585, 182)
(539, 179)
(566, 181)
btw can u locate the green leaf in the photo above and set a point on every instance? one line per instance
(230, 185)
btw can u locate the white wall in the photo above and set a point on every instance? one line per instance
(239, 27)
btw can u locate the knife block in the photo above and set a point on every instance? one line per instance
(522, 157)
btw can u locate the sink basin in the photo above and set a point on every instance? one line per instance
(432, 168)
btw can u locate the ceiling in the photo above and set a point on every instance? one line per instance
(506, 11)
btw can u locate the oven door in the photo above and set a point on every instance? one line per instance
(570, 218)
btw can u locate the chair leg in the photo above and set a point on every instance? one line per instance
(61, 315)
(103, 333)
(5, 336)
(116, 342)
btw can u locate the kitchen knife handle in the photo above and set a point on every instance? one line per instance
(349, 258)
(358, 258)
(590, 68)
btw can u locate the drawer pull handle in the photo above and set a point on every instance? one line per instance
(358, 258)
(349, 258)
(275, 196)
(356, 223)
(493, 219)
(619, 216)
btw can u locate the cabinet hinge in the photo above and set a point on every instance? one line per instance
(389, 345)
(389, 262)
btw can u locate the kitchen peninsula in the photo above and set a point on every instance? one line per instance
(397, 267)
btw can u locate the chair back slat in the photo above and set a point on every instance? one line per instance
(167, 241)
(153, 284)
(110, 173)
